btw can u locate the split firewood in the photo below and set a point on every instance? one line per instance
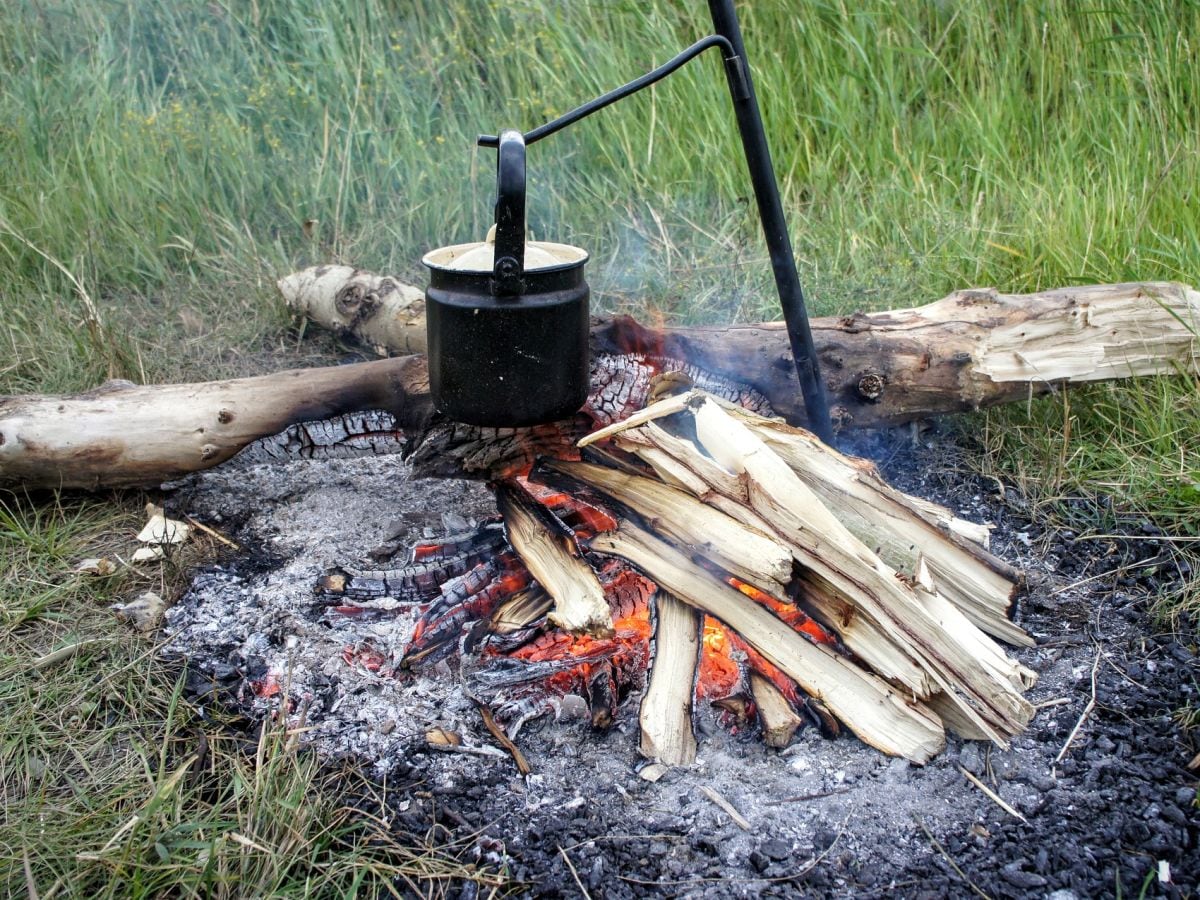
(974, 348)
(548, 549)
(746, 552)
(866, 704)
(900, 528)
(898, 623)
(823, 545)
(666, 711)
(779, 721)
(861, 635)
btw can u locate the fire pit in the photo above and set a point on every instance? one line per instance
(834, 813)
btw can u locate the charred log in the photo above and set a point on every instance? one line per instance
(970, 350)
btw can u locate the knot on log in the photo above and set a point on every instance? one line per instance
(976, 296)
(356, 302)
(870, 386)
(855, 322)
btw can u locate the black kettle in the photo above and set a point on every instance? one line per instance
(506, 320)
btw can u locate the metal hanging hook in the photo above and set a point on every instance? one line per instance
(762, 177)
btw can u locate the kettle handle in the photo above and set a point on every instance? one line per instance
(509, 265)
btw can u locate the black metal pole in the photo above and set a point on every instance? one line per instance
(770, 210)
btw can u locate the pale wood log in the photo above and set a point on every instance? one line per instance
(665, 715)
(971, 349)
(121, 434)
(375, 310)
(548, 549)
(779, 721)
(876, 712)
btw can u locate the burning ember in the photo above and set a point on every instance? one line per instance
(701, 551)
(487, 605)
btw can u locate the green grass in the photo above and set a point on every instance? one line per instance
(168, 154)
(114, 786)
(158, 160)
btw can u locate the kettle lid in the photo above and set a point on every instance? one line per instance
(479, 256)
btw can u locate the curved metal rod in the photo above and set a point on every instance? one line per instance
(713, 40)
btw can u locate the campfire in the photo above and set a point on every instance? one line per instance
(673, 544)
(697, 551)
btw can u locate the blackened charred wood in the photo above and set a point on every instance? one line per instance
(602, 695)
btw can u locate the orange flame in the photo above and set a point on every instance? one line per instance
(789, 613)
(719, 675)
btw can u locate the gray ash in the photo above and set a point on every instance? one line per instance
(828, 817)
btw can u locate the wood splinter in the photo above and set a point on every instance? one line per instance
(665, 715)
(779, 721)
(548, 549)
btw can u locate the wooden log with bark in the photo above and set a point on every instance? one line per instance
(972, 349)
(124, 435)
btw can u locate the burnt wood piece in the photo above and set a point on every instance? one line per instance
(779, 720)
